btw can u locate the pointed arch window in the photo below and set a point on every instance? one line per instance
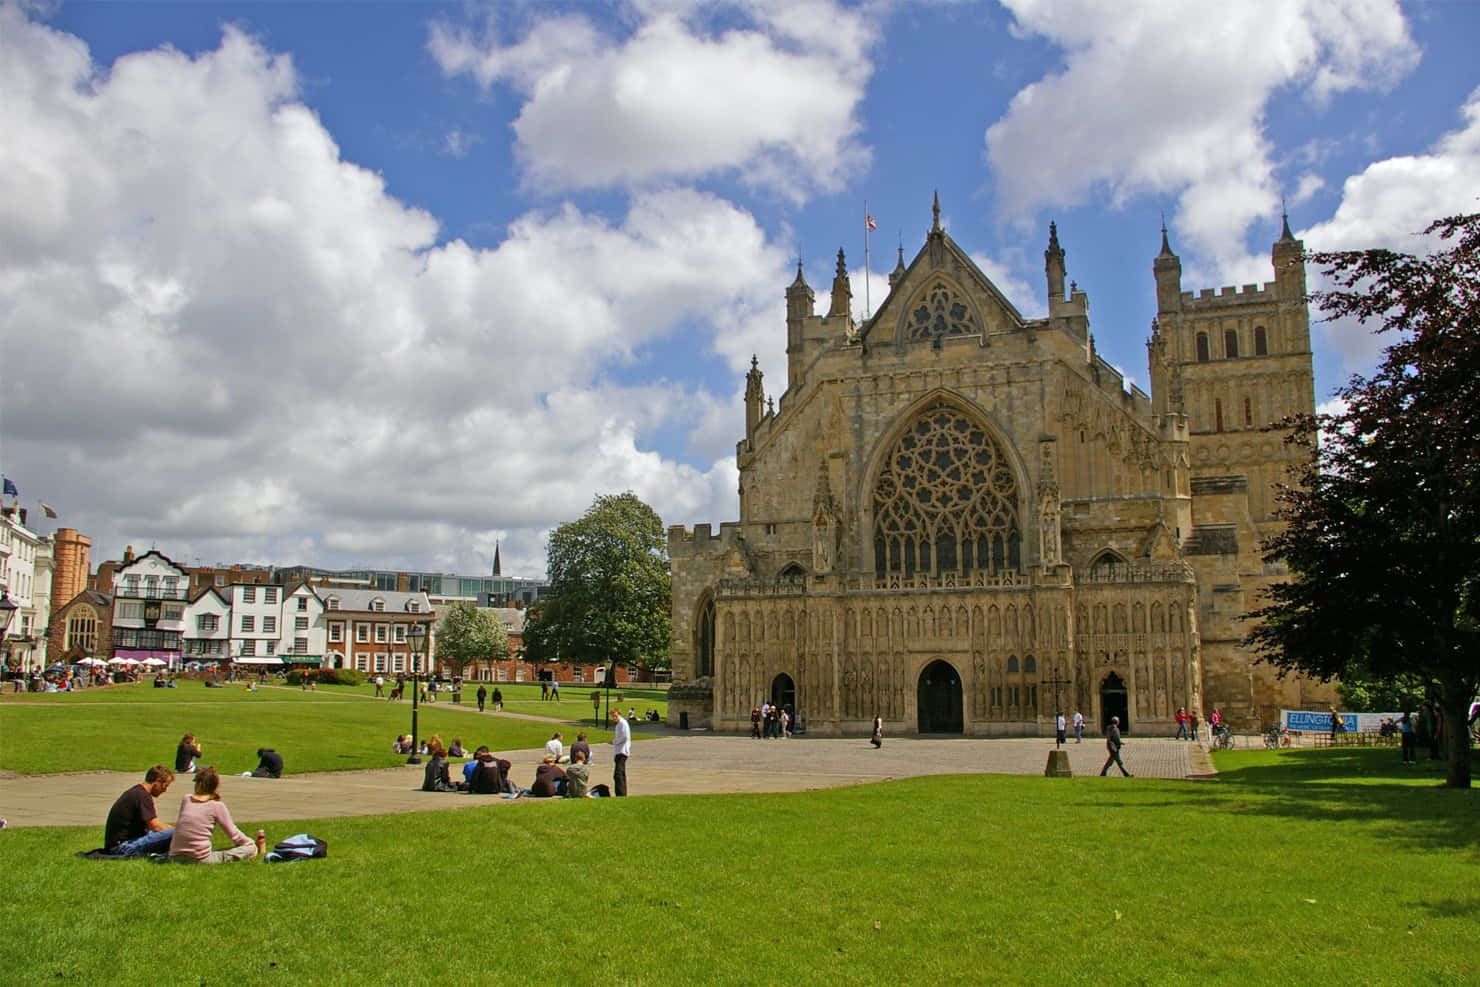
(940, 310)
(704, 641)
(946, 500)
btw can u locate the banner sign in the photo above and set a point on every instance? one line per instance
(1309, 721)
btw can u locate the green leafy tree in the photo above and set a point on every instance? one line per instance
(610, 592)
(467, 634)
(1383, 522)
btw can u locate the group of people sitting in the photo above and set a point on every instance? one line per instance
(133, 828)
(487, 774)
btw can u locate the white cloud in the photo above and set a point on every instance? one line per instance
(224, 339)
(1169, 98)
(1386, 205)
(775, 103)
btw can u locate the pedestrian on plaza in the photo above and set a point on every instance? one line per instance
(1113, 745)
(1405, 737)
(785, 725)
(755, 723)
(1078, 727)
(877, 737)
(498, 700)
(1336, 723)
(555, 689)
(380, 686)
(133, 828)
(621, 750)
(482, 696)
(1192, 725)
(1061, 729)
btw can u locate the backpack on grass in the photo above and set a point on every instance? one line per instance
(300, 847)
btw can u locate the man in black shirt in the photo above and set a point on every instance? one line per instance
(269, 763)
(133, 828)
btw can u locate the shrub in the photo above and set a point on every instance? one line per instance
(341, 676)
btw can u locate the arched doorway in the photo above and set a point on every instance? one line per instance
(939, 699)
(1114, 701)
(784, 694)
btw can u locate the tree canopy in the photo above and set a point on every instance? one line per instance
(1383, 522)
(467, 634)
(610, 596)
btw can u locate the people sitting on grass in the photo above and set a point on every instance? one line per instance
(581, 745)
(489, 774)
(555, 747)
(437, 777)
(133, 828)
(402, 744)
(456, 750)
(186, 753)
(269, 764)
(549, 779)
(578, 779)
(200, 814)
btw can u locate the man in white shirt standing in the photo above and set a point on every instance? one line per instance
(621, 748)
(1078, 727)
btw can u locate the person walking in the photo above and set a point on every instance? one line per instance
(1060, 731)
(621, 750)
(380, 687)
(1405, 737)
(482, 696)
(1181, 724)
(1078, 727)
(1113, 744)
(877, 739)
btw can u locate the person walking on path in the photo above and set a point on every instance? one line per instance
(621, 750)
(1405, 737)
(1113, 745)
(498, 700)
(1181, 725)
(1078, 727)
(380, 687)
(1060, 730)
(482, 696)
(877, 739)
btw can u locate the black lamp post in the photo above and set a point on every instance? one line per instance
(416, 637)
(1058, 681)
(7, 612)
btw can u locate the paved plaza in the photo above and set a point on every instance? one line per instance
(694, 763)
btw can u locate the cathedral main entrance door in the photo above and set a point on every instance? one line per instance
(1114, 701)
(939, 699)
(784, 694)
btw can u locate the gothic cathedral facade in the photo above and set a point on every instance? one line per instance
(961, 520)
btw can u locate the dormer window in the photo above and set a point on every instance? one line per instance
(377, 605)
(413, 606)
(332, 603)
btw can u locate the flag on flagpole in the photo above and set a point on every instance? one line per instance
(7, 488)
(47, 510)
(868, 221)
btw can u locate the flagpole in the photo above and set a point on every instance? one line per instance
(866, 303)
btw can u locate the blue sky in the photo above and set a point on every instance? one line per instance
(382, 283)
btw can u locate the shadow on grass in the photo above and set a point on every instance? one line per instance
(1354, 786)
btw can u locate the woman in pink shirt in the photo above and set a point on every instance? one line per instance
(200, 814)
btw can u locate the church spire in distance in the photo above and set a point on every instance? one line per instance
(497, 568)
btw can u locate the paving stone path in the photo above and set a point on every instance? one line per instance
(695, 763)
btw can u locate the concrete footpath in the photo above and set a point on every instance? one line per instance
(678, 764)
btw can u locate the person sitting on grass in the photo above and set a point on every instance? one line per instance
(186, 753)
(269, 764)
(555, 747)
(490, 775)
(200, 814)
(549, 779)
(456, 750)
(437, 777)
(133, 828)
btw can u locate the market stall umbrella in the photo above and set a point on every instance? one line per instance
(91, 661)
(153, 661)
(119, 661)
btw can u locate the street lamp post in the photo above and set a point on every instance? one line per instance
(416, 637)
(1058, 681)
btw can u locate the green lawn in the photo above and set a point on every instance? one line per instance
(128, 728)
(1302, 867)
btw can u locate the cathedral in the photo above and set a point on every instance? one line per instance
(963, 521)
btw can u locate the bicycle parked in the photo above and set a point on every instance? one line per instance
(1222, 738)
(1276, 737)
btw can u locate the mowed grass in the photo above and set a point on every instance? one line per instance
(1290, 867)
(129, 727)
